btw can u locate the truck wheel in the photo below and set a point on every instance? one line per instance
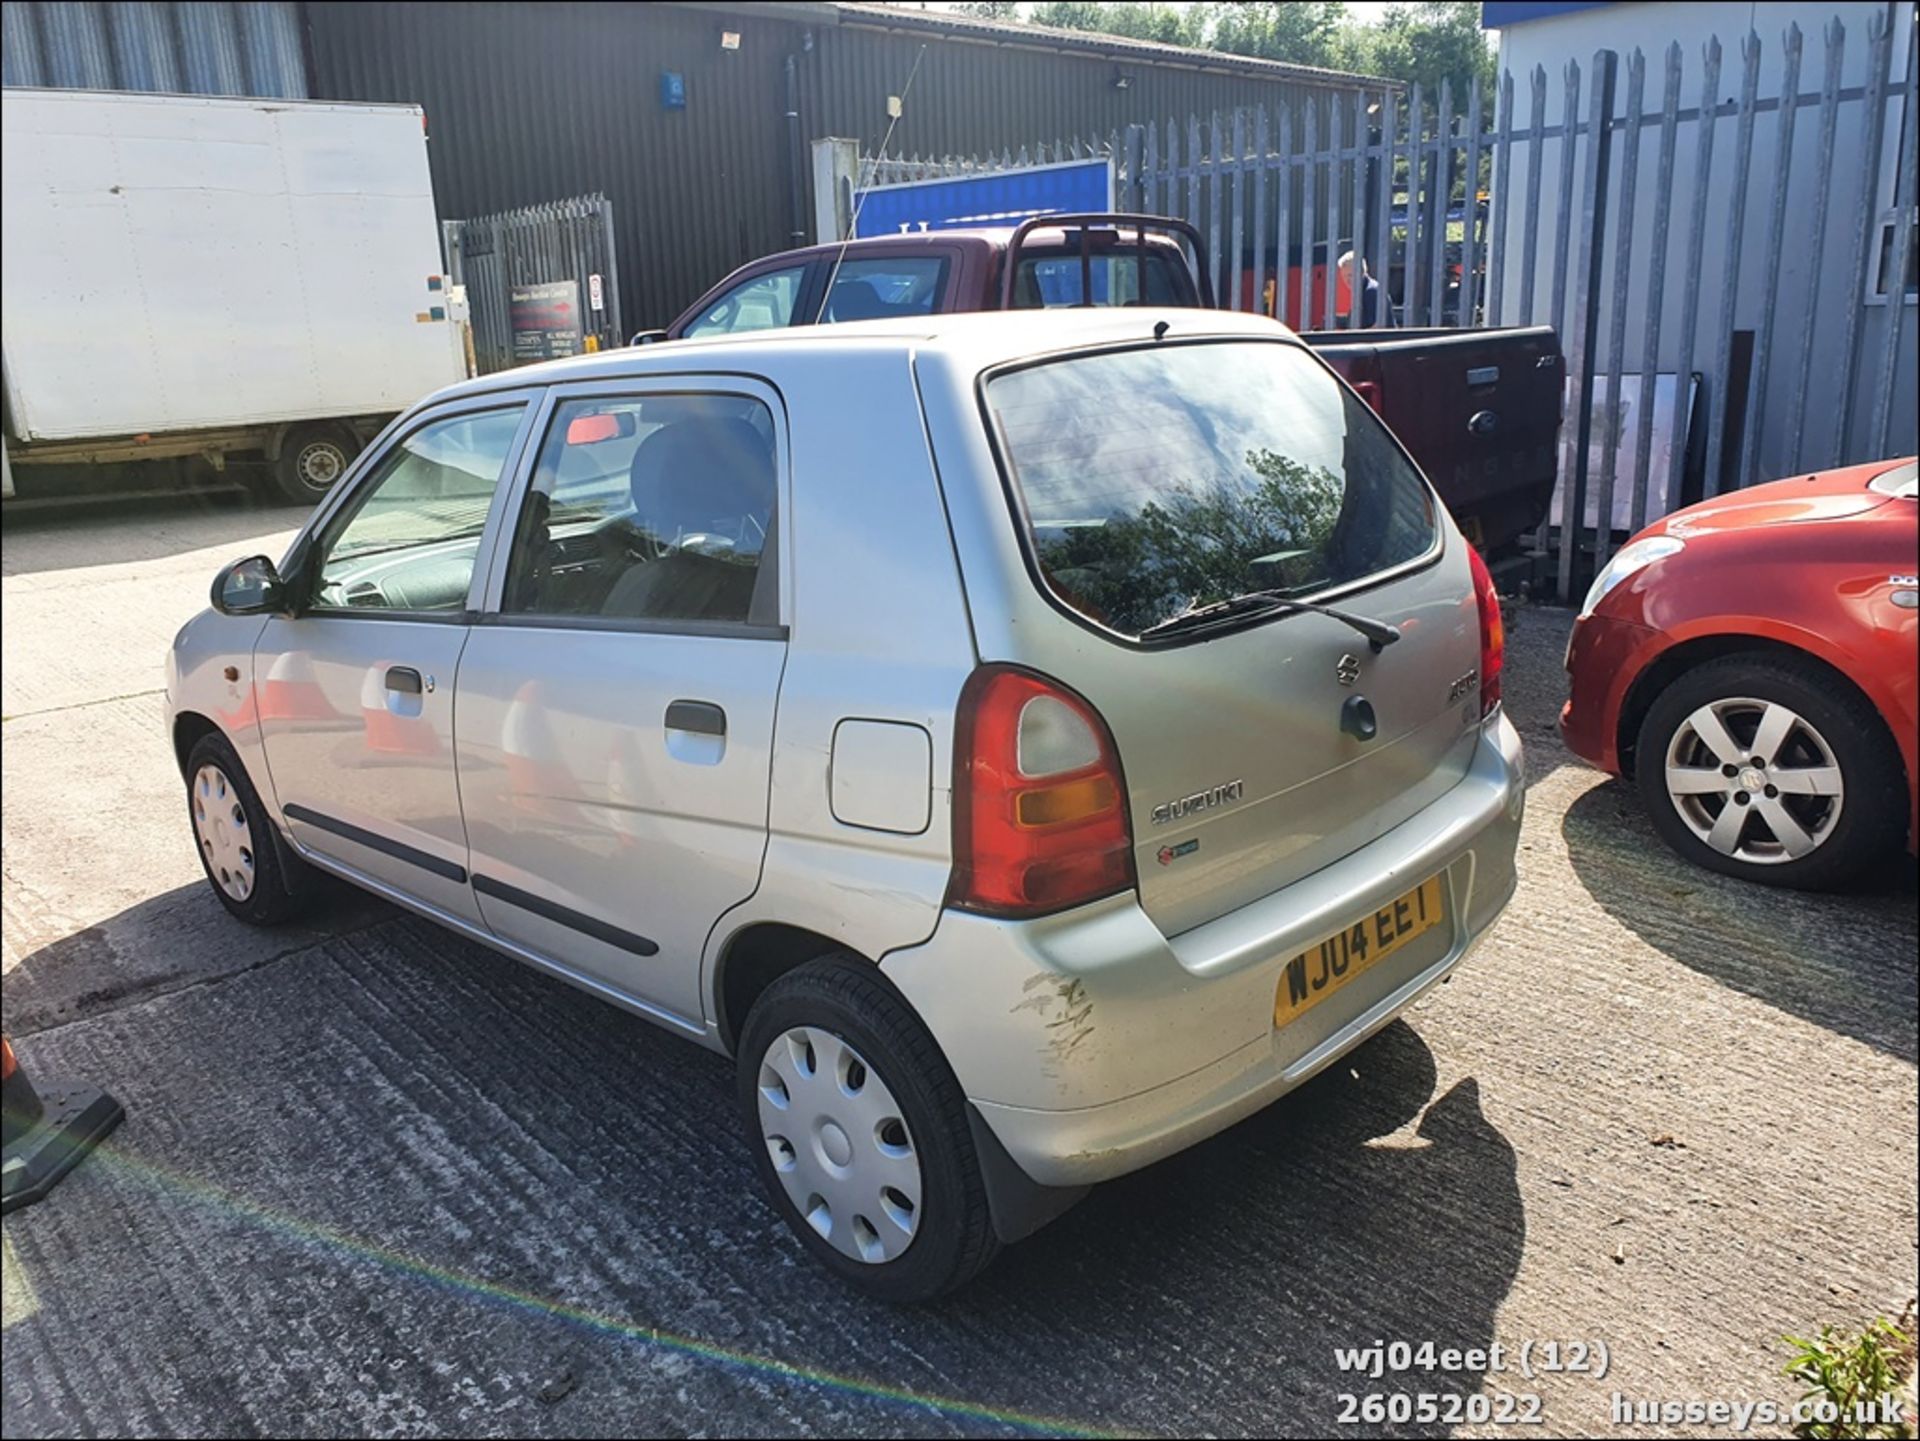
(859, 1133)
(1763, 767)
(257, 879)
(312, 460)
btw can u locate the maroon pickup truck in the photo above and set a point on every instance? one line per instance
(1478, 409)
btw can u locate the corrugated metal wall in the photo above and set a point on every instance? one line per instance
(969, 98)
(530, 103)
(164, 45)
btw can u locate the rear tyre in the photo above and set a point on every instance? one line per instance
(253, 875)
(859, 1132)
(312, 460)
(1761, 766)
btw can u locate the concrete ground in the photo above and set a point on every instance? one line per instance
(374, 1179)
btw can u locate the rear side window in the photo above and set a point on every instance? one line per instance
(885, 288)
(1158, 480)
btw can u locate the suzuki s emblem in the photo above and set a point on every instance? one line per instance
(1348, 670)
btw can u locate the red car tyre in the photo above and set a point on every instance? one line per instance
(1759, 766)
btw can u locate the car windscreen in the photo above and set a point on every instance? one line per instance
(1157, 480)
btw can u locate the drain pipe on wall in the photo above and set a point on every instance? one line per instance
(796, 155)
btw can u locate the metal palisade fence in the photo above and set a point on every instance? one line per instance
(540, 282)
(1721, 256)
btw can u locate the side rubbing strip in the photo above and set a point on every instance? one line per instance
(447, 870)
(561, 916)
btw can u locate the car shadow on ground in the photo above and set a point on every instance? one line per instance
(1358, 1209)
(390, 1129)
(1844, 961)
(178, 938)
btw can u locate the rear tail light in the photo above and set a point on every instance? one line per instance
(1369, 391)
(1039, 807)
(1493, 632)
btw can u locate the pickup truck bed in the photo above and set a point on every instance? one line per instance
(1479, 409)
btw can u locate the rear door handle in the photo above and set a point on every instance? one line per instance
(697, 716)
(403, 680)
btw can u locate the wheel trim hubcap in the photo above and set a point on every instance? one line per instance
(840, 1145)
(220, 826)
(1754, 780)
(319, 463)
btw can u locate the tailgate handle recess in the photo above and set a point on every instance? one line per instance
(1484, 375)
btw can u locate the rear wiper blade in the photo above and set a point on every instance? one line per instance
(1379, 633)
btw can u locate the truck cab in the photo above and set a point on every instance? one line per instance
(893, 277)
(1478, 409)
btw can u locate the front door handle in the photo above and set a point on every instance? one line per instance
(403, 680)
(700, 717)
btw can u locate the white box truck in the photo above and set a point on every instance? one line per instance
(225, 279)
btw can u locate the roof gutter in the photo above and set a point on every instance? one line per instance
(1093, 45)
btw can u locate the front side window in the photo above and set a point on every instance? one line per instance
(647, 508)
(1159, 480)
(762, 303)
(409, 539)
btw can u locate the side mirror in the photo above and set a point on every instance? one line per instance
(648, 337)
(248, 587)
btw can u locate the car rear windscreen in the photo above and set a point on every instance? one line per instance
(1115, 277)
(1161, 479)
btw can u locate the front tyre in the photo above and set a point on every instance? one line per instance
(1762, 766)
(243, 859)
(859, 1133)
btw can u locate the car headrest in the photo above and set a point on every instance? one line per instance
(857, 300)
(691, 471)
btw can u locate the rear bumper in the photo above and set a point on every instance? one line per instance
(1090, 1044)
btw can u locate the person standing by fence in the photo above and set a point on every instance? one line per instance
(1376, 310)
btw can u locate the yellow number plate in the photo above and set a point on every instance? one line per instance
(1313, 975)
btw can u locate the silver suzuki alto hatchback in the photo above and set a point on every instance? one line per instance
(1027, 744)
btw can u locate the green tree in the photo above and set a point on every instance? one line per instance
(1423, 40)
(991, 9)
(1309, 32)
(1427, 42)
(1166, 24)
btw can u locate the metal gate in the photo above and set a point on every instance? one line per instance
(1733, 279)
(540, 282)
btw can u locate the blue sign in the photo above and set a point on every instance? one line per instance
(673, 90)
(1002, 199)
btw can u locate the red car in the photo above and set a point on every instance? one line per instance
(1750, 663)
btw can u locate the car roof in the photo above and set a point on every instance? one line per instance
(981, 337)
(994, 236)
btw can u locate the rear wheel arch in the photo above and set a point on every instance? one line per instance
(754, 958)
